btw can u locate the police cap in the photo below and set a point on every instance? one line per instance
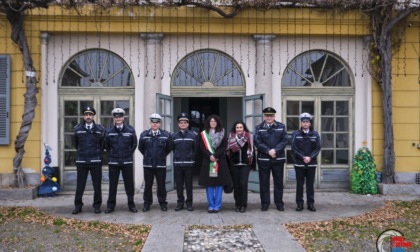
(118, 112)
(305, 117)
(269, 111)
(89, 110)
(183, 117)
(155, 117)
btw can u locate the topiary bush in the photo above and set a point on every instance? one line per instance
(363, 174)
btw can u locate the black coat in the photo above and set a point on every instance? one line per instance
(223, 178)
(89, 144)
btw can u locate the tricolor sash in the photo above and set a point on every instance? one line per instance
(214, 166)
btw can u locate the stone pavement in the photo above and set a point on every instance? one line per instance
(168, 228)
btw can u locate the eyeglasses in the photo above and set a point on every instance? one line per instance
(305, 121)
(118, 116)
(155, 122)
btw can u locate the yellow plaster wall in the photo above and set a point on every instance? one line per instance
(32, 157)
(406, 106)
(406, 93)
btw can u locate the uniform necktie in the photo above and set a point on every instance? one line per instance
(88, 127)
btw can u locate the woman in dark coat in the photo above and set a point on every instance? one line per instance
(240, 153)
(214, 174)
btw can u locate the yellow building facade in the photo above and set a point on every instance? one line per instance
(258, 58)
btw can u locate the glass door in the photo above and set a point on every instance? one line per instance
(252, 107)
(333, 121)
(164, 107)
(71, 107)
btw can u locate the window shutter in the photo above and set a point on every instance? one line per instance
(4, 99)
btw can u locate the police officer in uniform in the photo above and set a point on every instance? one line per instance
(120, 142)
(185, 149)
(306, 145)
(89, 143)
(270, 139)
(155, 144)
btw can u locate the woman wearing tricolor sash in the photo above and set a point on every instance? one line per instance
(214, 174)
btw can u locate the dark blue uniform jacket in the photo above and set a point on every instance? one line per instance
(155, 148)
(267, 138)
(185, 146)
(306, 144)
(120, 144)
(89, 143)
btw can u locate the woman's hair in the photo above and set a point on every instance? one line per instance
(233, 130)
(219, 126)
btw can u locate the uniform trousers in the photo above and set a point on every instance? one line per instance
(301, 175)
(96, 175)
(184, 175)
(264, 173)
(240, 175)
(214, 197)
(114, 175)
(149, 175)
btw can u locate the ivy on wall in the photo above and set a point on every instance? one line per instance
(363, 174)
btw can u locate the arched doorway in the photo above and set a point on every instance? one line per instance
(208, 82)
(320, 83)
(97, 78)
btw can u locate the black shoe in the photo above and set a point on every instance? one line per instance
(216, 210)
(164, 208)
(280, 208)
(311, 208)
(77, 211)
(211, 211)
(179, 207)
(146, 208)
(190, 208)
(264, 208)
(238, 208)
(133, 209)
(242, 209)
(299, 208)
(97, 210)
(109, 210)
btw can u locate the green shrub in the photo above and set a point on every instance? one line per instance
(363, 174)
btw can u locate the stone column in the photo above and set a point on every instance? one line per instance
(153, 73)
(46, 131)
(263, 76)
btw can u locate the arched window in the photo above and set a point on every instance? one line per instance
(209, 70)
(316, 69)
(97, 68)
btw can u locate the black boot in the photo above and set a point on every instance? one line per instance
(311, 208)
(179, 207)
